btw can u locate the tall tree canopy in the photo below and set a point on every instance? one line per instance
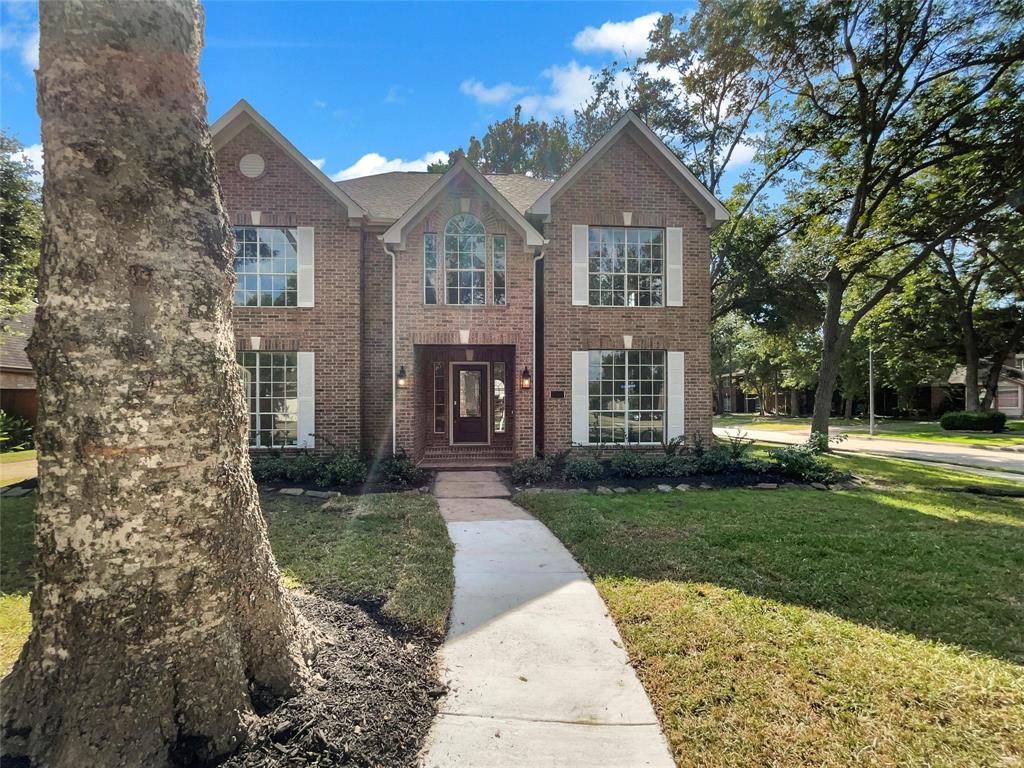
(20, 227)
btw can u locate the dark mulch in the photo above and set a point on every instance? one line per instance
(372, 707)
(732, 479)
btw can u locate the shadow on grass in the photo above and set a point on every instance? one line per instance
(939, 565)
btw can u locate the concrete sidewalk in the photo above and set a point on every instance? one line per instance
(1003, 465)
(536, 670)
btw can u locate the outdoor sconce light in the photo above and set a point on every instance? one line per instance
(525, 381)
(402, 380)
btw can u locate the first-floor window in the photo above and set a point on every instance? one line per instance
(499, 396)
(440, 401)
(627, 396)
(272, 392)
(499, 269)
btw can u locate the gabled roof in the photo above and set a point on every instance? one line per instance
(386, 196)
(242, 114)
(395, 235)
(715, 212)
(13, 342)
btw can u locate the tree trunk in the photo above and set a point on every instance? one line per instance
(971, 361)
(157, 610)
(832, 348)
(849, 408)
(794, 402)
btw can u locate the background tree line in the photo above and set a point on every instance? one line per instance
(884, 196)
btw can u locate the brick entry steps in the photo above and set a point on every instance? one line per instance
(535, 669)
(477, 457)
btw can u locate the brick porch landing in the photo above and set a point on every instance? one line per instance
(470, 457)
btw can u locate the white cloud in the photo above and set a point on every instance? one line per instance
(372, 163)
(34, 156)
(30, 51)
(742, 154)
(318, 162)
(319, 103)
(570, 87)
(496, 94)
(629, 37)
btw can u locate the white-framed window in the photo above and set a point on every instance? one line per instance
(498, 407)
(272, 392)
(440, 399)
(626, 396)
(626, 266)
(1007, 397)
(430, 268)
(465, 260)
(499, 270)
(266, 267)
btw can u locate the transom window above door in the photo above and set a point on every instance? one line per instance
(465, 260)
(626, 266)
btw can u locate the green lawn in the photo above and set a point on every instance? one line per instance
(392, 548)
(882, 625)
(16, 456)
(884, 429)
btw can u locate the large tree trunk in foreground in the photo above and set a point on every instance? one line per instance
(157, 611)
(832, 348)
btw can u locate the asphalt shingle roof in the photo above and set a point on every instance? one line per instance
(12, 343)
(389, 195)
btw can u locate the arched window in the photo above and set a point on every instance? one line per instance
(465, 260)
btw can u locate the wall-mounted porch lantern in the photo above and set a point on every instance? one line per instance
(402, 380)
(525, 380)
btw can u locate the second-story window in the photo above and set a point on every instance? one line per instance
(498, 270)
(430, 268)
(465, 260)
(626, 267)
(266, 267)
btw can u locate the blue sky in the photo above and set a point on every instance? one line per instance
(368, 87)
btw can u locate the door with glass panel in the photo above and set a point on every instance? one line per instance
(470, 399)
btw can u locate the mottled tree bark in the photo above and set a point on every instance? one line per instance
(157, 611)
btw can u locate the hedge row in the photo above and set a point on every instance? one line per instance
(975, 421)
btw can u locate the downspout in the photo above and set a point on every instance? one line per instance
(533, 362)
(394, 387)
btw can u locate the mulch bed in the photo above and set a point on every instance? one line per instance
(717, 480)
(372, 707)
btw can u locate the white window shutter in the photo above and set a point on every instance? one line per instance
(305, 268)
(580, 265)
(307, 399)
(675, 400)
(674, 267)
(580, 397)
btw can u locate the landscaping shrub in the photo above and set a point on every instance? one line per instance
(530, 471)
(755, 465)
(304, 468)
(737, 444)
(344, 468)
(627, 464)
(675, 446)
(582, 469)
(556, 461)
(714, 460)
(682, 465)
(799, 462)
(270, 469)
(976, 421)
(15, 433)
(400, 469)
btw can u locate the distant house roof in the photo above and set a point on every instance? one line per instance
(387, 196)
(12, 344)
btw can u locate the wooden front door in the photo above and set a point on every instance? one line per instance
(470, 398)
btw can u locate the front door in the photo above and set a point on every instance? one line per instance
(469, 403)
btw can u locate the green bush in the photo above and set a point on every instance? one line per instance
(270, 469)
(530, 471)
(344, 468)
(976, 421)
(400, 469)
(682, 465)
(755, 465)
(582, 469)
(627, 463)
(714, 460)
(15, 433)
(800, 463)
(304, 468)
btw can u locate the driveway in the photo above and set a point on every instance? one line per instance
(980, 461)
(15, 471)
(535, 668)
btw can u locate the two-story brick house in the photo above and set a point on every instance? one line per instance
(469, 318)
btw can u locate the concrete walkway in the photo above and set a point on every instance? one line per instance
(1003, 465)
(536, 670)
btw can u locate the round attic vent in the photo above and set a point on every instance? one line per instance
(252, 166)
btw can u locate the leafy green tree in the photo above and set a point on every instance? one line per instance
(20, 231)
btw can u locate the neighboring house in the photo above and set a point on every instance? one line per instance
(17, 381)
(469, 318)
(1010, 393)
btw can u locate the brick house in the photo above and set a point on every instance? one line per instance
(469, 318)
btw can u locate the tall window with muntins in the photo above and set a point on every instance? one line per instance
(440, 401)
(430, 268)
(465, 260)
(266, 267)
(498, 374)
(627, 396)
(272, 393)
(498, 270)
(626, 266)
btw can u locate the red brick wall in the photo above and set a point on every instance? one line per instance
(420, 324)
(625, 179)
(287, 196)
(377, 375)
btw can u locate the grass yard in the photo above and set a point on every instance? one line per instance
(12, 457)
(929, 431)
(391, 549)
(877, 626)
